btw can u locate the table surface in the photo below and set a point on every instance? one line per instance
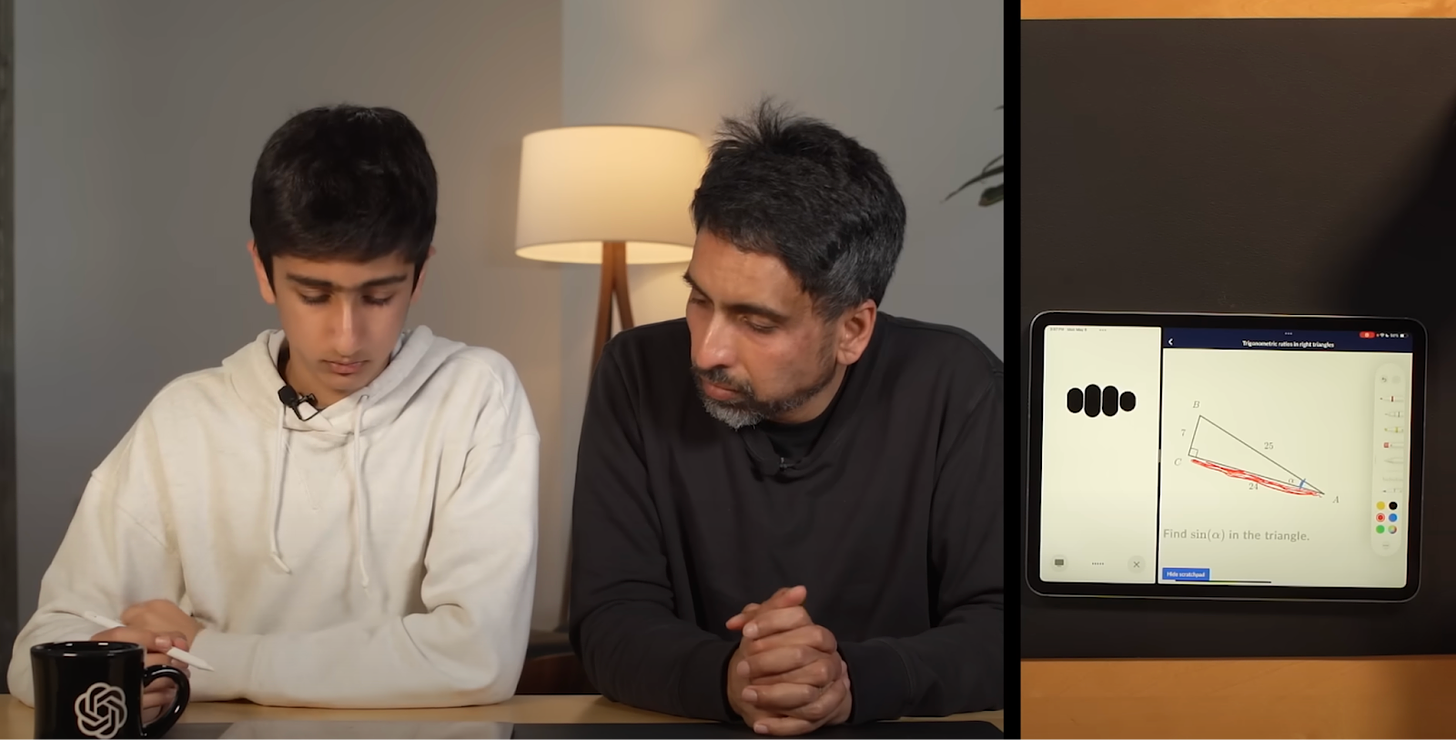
(1398, 697)
(17, 720)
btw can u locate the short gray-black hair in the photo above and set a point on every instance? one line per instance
(797, 188)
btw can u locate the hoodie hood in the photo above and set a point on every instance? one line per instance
(253, 373)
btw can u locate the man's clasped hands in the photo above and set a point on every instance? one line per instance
(786, 677)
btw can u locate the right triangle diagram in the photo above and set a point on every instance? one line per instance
(1217, 449)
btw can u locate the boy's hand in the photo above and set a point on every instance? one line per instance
(162, 616)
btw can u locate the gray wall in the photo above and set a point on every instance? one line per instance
(917, 81)
(137, 127)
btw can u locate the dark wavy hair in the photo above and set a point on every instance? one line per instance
(344, 182)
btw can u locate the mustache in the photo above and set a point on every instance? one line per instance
(719, 376)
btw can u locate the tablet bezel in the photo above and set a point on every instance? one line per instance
(1032, 518)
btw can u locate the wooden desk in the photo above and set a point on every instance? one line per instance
(17, 720)
(1057, 9)
(1329, 697)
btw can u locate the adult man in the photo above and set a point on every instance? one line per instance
(370, 540)
(788, 506)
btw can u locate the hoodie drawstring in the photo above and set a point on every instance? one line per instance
(277, 501)
(360, 525)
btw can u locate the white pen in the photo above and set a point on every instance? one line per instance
(177, 653)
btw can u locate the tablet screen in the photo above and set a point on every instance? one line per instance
(1224, 453)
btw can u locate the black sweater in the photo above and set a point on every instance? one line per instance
(893, 522)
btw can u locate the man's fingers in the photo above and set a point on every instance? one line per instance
(781, 697)
(821, 707)
(737, 621)
(781, 599)
(818, 673)
(786, 597)
(782, 726)
(772, 621)
(780, 660)
(813, 635)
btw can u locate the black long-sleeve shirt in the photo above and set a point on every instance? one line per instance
(893, 521)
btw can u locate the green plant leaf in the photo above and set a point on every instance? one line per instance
(992, 196)
(986, 173)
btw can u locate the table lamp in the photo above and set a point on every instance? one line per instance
(609, 195)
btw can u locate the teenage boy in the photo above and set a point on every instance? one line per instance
(344, 513)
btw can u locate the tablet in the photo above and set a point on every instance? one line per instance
(1215, 456)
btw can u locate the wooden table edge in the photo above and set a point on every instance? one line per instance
(15, 717)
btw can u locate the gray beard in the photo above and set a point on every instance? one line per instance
(750, 411)
(733, 415)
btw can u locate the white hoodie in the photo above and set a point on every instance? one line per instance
(381, 554)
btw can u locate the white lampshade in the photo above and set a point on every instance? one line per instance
(584, 185)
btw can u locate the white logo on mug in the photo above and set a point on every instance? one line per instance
(101, 711)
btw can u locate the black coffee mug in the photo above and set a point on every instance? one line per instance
(94, 690)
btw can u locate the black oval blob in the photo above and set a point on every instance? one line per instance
(1129, 401)
(1109, 401)
(1074, 400)
(1093, 407)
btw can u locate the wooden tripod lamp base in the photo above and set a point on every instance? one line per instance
(614, 284)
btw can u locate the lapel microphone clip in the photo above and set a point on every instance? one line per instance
(291, 399)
